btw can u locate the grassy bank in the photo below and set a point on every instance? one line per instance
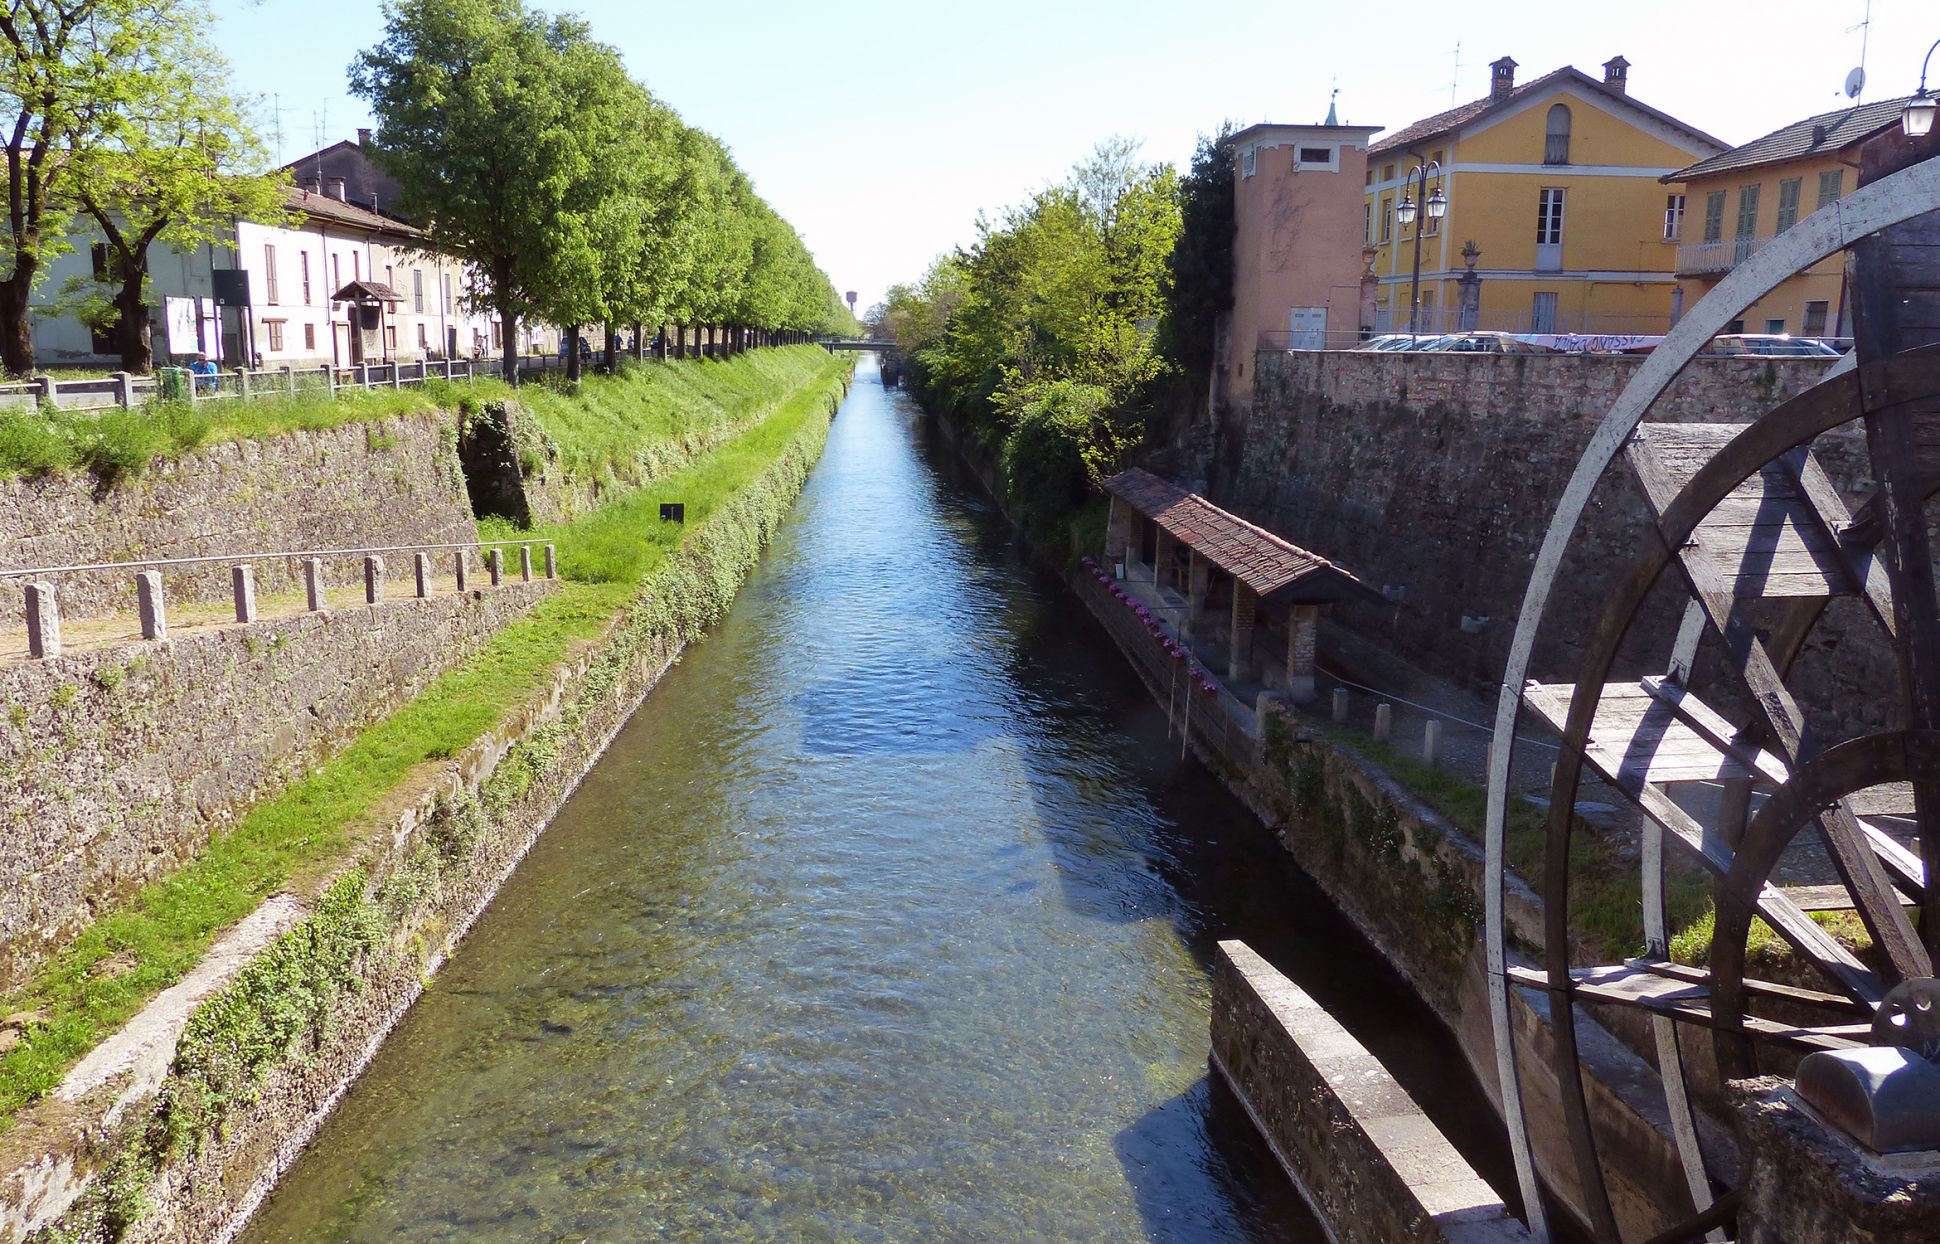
(611, 561)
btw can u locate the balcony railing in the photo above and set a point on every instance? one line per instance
(1717, 258)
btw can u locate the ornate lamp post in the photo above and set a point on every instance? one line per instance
(1918, 117)
(1435, 203)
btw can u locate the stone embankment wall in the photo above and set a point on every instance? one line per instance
(392, 482)
(170, 1141)
(117, 764)
(1434, 477)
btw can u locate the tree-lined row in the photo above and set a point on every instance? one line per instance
(524, 148)
(1053, 335)
(522, 145)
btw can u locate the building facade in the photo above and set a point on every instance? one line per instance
(1297, 255)
(1558, 185)
(1738, 201)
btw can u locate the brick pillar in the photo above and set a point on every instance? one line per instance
(1118, 531)
(1198, 580)
(1246, 603)
(1303, 624)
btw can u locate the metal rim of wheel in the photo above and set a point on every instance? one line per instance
(1691, 474)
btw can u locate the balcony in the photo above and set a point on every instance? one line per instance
(1717, 258)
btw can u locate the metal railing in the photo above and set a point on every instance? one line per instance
(42, 591)
(124, 390)
(1719, 257)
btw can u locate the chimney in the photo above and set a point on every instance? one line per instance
(337, 191)
(363, 138)
(1616, 74)
(1502, 79)
(313, 186)
(1818, 133)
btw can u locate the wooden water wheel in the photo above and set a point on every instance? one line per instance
(1749, 527)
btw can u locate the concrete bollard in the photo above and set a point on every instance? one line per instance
(1383, 722)
(1431, 743)
(43, 621)
(460, 568)
(242, 580)
(1340, 705)
(424, 575)
(525, 562)
(495, 565)
(552, 563)
(373, 579)
(313, 584)
(150, 605)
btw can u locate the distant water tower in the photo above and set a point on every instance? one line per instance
(851, 297)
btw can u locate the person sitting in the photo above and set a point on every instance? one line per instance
(205, 374)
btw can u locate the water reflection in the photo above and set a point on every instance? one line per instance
(887, 919)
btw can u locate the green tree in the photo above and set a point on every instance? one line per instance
(183, 164)
(67, 68)
(1202, 262)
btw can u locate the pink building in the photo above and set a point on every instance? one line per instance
(1298, 212)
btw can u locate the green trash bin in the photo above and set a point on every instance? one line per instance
(174, 383)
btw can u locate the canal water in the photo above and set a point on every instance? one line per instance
(887, 918)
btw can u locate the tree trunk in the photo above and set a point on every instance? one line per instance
(612, 348)
(509, 347)
(639, 346)
(16, 334)
(132, 329)
(680, 341)
(573, 370)
(660, 344)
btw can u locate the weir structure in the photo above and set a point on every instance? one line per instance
(1726, 765)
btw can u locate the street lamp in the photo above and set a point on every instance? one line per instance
(1435, 203)
(1918, 117)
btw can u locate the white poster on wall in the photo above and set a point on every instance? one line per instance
(194, 327)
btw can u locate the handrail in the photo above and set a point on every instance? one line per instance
(249, 557)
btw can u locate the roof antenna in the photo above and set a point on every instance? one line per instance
(1856, 80)
(1455, 82)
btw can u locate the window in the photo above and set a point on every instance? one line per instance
(1370, 177)
(1542, 313)
(498, 334)
(1316, 155)
(1673, 217)
(356, 266)
(1734, 328)
(1775, 327)
(304, 258)
(1714, 216)
(1367, 222)
(390, 276)
(1815, 313)
(1747, 211)
(269, 270)
(1387, 172)
(274, 329)
(390, 337)
(1556, 135)
(424, 341)
(309, 336)
(1549, 217)
(1788, 204)
(417, 290)
(1387, 219)
(336, 273)
(447, 293)
(1248, 161)
(1832, 186)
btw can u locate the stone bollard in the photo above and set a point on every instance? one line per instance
(1383, 722)
(552, 563)
(1431, 743)
(424, 575)
(150, 605)
(373, 579)
(124, 389)
(460, 568)
(242, 580)
(1340, 704)
(525, 562)
(495, 565)
(313, 584)
(43, 621)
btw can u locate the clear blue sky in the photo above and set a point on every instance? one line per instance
(881, 129)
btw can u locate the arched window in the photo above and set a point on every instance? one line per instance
(1556, 145)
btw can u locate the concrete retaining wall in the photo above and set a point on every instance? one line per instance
(117, 764)
(1372, 1165)
(392, 482)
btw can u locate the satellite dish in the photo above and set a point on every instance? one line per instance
(1855, 82)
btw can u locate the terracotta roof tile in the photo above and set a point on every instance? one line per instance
(1453, 119)
(1845, 128)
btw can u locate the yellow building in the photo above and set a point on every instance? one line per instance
(1557, 184)
(1738, 201)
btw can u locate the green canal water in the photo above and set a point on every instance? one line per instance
(887, 918)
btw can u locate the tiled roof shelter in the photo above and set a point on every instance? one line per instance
(1275, 569)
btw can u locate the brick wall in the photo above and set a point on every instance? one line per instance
(1434, 478)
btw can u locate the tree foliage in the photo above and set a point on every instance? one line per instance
(523, 147)
(1202, 262)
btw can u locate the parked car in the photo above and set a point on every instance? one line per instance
(1484, 342)
(1776, 345)
(1390, 341)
